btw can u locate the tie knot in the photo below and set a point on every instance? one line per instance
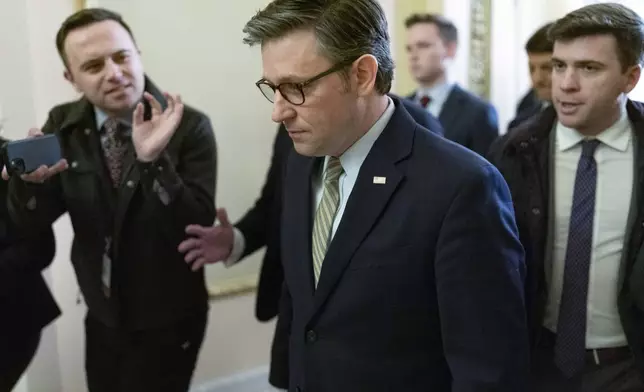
(111, 126)
(333, 169)
(425, 100)
(588, 148)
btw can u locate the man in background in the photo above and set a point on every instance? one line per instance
(139, 167)
(539, 51)
(432, 41)
(26, 304)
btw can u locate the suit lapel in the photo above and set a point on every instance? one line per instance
(298, 227)
(367, 200)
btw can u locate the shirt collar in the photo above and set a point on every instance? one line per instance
(437, 93)
(355, 155)
(617, 136)
(101, 117)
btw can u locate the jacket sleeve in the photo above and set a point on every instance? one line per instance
(254, 225)
(480, 272)
(184, 193)
(23, 255)
(487, 131)
(36, 206)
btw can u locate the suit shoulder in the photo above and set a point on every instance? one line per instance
(196, 122)
(191, 113)
(59, 112)
(474, 99)
(450, 157)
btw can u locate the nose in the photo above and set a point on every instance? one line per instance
(282, 109)
(114, 70)
(569, 80)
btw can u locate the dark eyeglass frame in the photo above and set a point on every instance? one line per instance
(299, 87)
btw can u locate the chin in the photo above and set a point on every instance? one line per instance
(307, 150)
(569, 121)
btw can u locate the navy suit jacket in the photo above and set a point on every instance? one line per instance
(422, 285)
(468, 120)
(260, 227)
(528, 106)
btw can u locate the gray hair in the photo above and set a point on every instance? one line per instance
(344, 29)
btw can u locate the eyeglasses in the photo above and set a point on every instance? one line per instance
(294, 92)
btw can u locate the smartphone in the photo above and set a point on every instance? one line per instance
(26, 155)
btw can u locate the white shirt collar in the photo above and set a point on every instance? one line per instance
(101, 117)
(617, 136)
(437, 93)
(355, 155)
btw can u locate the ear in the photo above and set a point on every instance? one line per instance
(451, 48)
(68, 76)
(632, 77)
(365, 70)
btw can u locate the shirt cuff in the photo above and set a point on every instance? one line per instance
(239, 243)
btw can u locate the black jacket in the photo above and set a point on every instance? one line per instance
(151, 283)
(26, 304)
(523, 159)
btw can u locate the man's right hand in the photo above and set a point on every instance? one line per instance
(43, 173)
(207, 245)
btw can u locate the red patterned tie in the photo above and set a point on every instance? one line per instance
(424, 101)
(114, 147)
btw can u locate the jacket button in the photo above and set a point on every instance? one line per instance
(74, 165)
(87, 131)
(130, 184)
(311, 336)
(536, 211)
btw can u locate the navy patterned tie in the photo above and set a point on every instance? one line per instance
(570, 347)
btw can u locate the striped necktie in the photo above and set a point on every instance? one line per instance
(325, 214)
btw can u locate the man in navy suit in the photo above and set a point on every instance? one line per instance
(402, 264)
(259, 228)
(468, 120)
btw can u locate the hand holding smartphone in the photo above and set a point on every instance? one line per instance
(35, 158)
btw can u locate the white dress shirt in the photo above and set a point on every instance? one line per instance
(351, 161)
(438, 95)
(615, 159)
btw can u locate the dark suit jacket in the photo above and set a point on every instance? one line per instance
(260, 227)
(468, 120)
(528, 106)
(26, 304)
(422, 285)
(524, 162)
(152, 285)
